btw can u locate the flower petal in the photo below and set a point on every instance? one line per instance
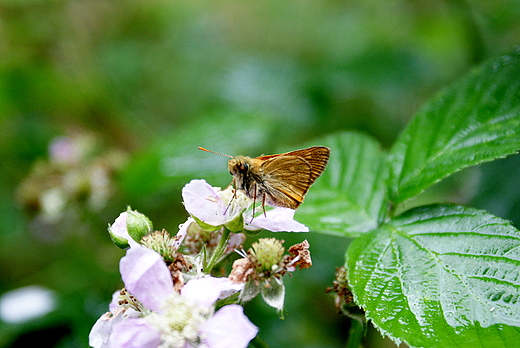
(277, 220)
(134, 333)
(274, 294)
(228, 328)
(208, 290)
(202, 201)
(183, 231)
(119, 232)
(102, 329)
(146, 277)
(100, 333)
(114, 304)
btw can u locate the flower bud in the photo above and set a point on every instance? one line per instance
(130, 226)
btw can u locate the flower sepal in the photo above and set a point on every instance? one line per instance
(273, 294)
(253, 233)
(138, 224)
(237, 224)
(204, 225)
(120, 242)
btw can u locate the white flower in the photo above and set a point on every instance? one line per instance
(213, 207)
(170, 319)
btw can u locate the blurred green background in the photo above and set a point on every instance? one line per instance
(103, 104)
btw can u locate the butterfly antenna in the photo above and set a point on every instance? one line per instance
(216, 153)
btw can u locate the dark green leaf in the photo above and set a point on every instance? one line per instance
(349, 196)
(473, 121)
(440, 276)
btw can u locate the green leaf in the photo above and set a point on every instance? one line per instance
(348, 198)
(473, 121)
(440, 276)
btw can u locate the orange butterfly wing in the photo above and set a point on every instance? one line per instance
(286, 180)
(317, 156)
(287, 177)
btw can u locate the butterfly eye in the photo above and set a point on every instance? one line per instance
(243, 167)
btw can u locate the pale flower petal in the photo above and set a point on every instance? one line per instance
(100, 333)
(102, 329)
(208, 290)
(119, 231)
(134, 333)
(213, 206)
(228, 328)
(216, 207)
(183, 231)
(114, 304)
(146, 277)
(202, 201)
(277, 220)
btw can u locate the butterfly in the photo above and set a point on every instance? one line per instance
(278, 180)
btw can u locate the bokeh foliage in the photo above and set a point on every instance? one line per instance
(155, 79)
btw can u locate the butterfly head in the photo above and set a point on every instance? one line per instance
(238, 165)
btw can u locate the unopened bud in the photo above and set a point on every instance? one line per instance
(129, 225)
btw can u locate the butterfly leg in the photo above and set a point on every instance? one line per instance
(232, 198)
(254, 202)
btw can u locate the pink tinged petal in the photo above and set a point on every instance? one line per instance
(228, 328)
(183, 231)
(100, 333)
(203, 290)
(119, 229)
(277, 220)
(228, 288)
(134, 333)
(102, 329)
(114, 304)
(119, 226)
(202, 201)
(207, 291)
(235, 240)
(146, 277)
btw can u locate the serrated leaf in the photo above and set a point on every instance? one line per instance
(348, 197)
(440, 276)
(473, 121)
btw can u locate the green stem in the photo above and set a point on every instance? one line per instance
(258, 343)
(219, 251)
(355, 333)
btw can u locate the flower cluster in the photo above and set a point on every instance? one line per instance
(79, 172)
(170, 298)
(155, 315)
